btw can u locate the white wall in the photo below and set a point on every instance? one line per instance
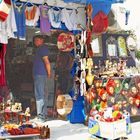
(134, 18)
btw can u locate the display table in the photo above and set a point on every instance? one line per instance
(19, 136)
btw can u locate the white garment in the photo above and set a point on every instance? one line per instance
(69, 17)
(55, 17)
(32, 22)
(81, 17)
(119, 16)
(8, 27)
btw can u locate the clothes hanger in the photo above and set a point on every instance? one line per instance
(18, 4)
(45, 3)
(29, 3)
(56, 8)
(17, 1)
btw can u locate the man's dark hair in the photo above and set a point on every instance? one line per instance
(39, 36)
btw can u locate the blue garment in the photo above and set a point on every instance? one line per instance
(39, 66)
(20, 20)
(40, 88)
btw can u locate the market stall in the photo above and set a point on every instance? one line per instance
(94, 81)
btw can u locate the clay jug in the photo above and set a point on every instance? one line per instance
(89, 77)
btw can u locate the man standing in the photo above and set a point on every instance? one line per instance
(41, 72)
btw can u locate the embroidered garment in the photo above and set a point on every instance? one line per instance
(20, 20)
(69, 17)
(45, 24)
(55, 17)
(32, 15)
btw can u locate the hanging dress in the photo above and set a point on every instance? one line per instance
(19, 10)
(55, 17)
(32, 15)
(45, 25)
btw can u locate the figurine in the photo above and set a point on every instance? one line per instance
(17, 107)
(27, 114)
(121, 67)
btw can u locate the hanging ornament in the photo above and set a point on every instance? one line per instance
(89, 77)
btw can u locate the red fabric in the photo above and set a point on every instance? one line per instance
(8, 1)
(88, 41)
(65, 42)
(5, 7)
(2, 64)
(3, 15)
(100, 23)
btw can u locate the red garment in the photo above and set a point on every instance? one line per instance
(2, 64)
(100, 23)
(5, 6)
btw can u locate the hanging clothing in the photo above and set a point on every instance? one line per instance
(2, 64)
(55, 17)
(81, 17)
(69, 17)
(32, 15)
(8, 27)
(45, 25)
(76, 1)
(19, 10)
(5, 6)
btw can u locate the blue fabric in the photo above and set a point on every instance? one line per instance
(77, 114)
(39, 86)
(20, 21)
(40, 89)
(39, 67)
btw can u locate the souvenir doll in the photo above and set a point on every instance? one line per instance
(110, 87)
(89, 76)
(118, 86)
(137, 102)
(103, 96)
(133, 91)
(91, 95)
(121, 67)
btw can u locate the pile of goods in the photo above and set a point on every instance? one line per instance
(108, 115)
(16, 122)
(12, 112)
(24, 129)
(118, 123)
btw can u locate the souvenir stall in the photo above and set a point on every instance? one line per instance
(46, 17)
(96, 81)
